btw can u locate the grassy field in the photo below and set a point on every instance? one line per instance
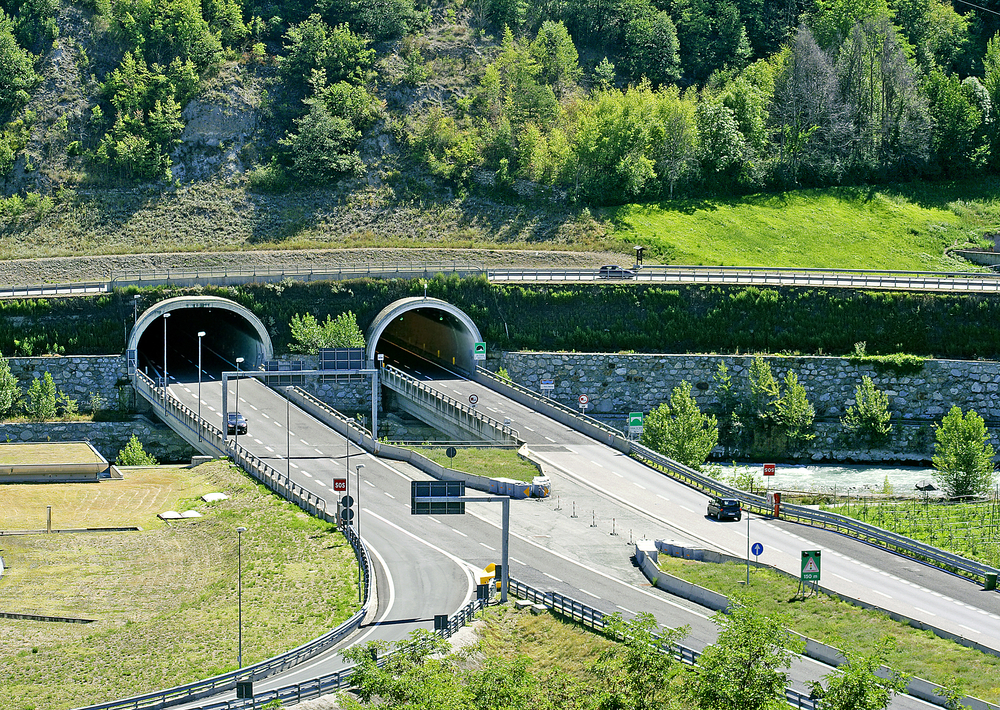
(491, 462)
(906, 227)
(45, 453)
(164, 600)
(838, 624)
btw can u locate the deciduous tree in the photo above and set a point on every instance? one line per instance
(679, 430)
(867, 420)
(963, 456)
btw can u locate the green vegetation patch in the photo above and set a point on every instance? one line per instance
(906, 227)
(164, 600)
(490, 462)
(839, 624)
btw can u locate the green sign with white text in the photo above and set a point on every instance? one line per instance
(810, 565)
(635, 419)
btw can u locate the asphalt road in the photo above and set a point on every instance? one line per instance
(425, 563)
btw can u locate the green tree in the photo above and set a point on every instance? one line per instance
(10, 393)
(867, 420)
(679, 430)
(312, 45)
(730, 426)
(134, 455)
(310, 335)
(18, 76)
(742, 669)
(957, 138)
(634, 673)
(323, 146)
(650, 47)
(557, 58)
(41, 401)
(991, 82)
(795, 413)
(963, 456)
(857, 685)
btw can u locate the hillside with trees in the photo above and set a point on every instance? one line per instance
(564, 103)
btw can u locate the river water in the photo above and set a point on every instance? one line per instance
(842, 479)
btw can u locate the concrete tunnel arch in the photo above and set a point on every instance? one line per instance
(448, 340)
(236, 332)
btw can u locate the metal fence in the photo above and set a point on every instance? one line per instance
(462, 415)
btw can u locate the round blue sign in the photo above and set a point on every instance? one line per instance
(757, 549)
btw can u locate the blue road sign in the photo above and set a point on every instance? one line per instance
(757, 549)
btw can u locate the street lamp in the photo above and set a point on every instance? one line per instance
(165, 316)
(236, 426)
(135, 309)
(239, 593)
(288, 443)
(201, 334)
(358, 531)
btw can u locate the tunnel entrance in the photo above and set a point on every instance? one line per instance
(231, 332)
(428, 328)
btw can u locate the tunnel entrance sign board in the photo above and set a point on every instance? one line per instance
(479, 351)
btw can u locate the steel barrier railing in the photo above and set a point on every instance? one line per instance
(872, 534)
(462, 414)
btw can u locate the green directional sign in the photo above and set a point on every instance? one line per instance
(479, 351)
(810, 565)
(635, 419)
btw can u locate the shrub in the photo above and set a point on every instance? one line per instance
(134, 455)
(41, 402)
(868, 419)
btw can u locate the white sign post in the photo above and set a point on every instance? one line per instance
(584, 400)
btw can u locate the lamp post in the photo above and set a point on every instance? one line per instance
(165, 316)
(135, 309)
(361, 593)
(288, 443)
(201, 334)
(239, 594)
(236, 426)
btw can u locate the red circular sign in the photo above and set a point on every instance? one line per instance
(584, 399)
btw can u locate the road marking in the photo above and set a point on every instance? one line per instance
(638, 486)
(304, 442)
(304, 473)
(588, 593)
(269, 449)
(293, 464)
(210, 407)
(431, 517)
(254, 408)
(370, 484)
(318, 452)
(258, 441)
(839, 577)
(685, 507)
(552, 577)
(598, 466)
(924, 611)
(663, 497)
(975, 631)
(528, 427)
(618, 474)
(459, 532)
(517, 561)
(493, 410)
(389, 494)
(625, 610)
(488, 547)
(264, 414)
(551, 439)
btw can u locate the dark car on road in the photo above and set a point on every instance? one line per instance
(720, 508)
(237, 424)
(612, 271)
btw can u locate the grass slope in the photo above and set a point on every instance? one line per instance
(904, 227)
(164, 599)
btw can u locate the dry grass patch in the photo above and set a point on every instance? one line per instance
(164, 599)
(47, 453)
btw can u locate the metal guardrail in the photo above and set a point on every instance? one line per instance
(282, 662)
(865, 532)
(966, 282)
(594, 618)
(462, 414)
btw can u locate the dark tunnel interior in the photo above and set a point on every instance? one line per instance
(431, 334)
(228, 336)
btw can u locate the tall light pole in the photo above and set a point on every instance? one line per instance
(236, 426)
(288, 443)
(201, 334)
(165, 316)
(361, 593)
(239, 594)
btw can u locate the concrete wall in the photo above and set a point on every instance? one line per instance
(619, 383)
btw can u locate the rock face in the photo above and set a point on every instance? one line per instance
(620, 383)
(107, 437)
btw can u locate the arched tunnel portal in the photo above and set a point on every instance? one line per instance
(231, 332)
(427, 327)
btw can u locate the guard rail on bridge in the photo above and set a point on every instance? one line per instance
(448, 408)
(871, 534)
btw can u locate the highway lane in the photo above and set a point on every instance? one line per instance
(671, 509)
(597, 570)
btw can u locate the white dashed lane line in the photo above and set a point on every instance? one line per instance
(589, 593)
(551, 576)
(459, 532)
(488, 547)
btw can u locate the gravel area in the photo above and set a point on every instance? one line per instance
(29, 272)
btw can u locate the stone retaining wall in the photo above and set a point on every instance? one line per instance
(107, 437)
(619, 383)
(79, 376)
